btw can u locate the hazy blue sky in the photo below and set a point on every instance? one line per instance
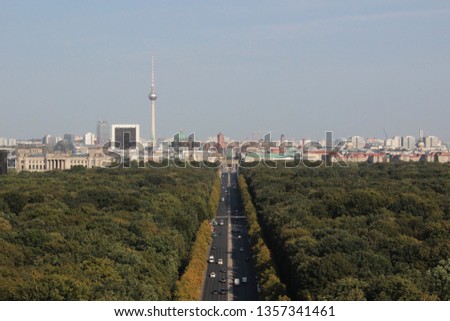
(293, 67)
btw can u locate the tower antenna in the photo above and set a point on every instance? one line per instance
(153, 72)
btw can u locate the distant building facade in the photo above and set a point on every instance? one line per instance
(70, 138)
(103, 133)
(89, 139)
(125, 136)
(408, 142)
(432, 142)
(358, 142)
(35, 159)
(51, 141)
(396, 142)
(46, 139)
(8, 142)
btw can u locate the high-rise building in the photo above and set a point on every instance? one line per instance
(396, 142)
(358, 142)
(152, 97)
(89, 139)
(432, 142)
(393, 143)
(180, 141)
(3, 162)
(408, 142)
(70, 138)
(388, 143)
(126, 136)
(51, 141)
(45, 139)
(103, 133)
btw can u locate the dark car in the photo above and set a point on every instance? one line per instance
(215, 292)
(223, 280)
(223, 270)
(223, 291)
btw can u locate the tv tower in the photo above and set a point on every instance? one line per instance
(152, 97)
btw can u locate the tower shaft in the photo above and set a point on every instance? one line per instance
(152, 98)
(153, 125)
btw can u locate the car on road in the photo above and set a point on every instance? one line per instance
(213, 248)
(237, 282)
(212, 275)
(223, 291)
(211, 259)
(220, 261)
(239, 236)
(241, 249)
(221, 222)
(214, 292)
(214, 235)
(244, 279)
(223, 280)
(223, 270)
(223, 199)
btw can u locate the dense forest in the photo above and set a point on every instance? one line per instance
(367, 232)
(101, 234)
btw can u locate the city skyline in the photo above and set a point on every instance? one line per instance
(298, 69)
(104, 126)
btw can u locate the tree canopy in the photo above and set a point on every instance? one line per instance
(100, 234)
(367, 232)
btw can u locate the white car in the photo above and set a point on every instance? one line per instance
(220, 261)
(211, 259)
(212, 275)
(237, 282)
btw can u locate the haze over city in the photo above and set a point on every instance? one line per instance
(225, 159)
(299, 68)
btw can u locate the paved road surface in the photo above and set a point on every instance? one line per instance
(232, 245)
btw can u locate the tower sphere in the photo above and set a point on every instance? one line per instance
(152, 96)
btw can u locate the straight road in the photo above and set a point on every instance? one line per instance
(232, 245)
